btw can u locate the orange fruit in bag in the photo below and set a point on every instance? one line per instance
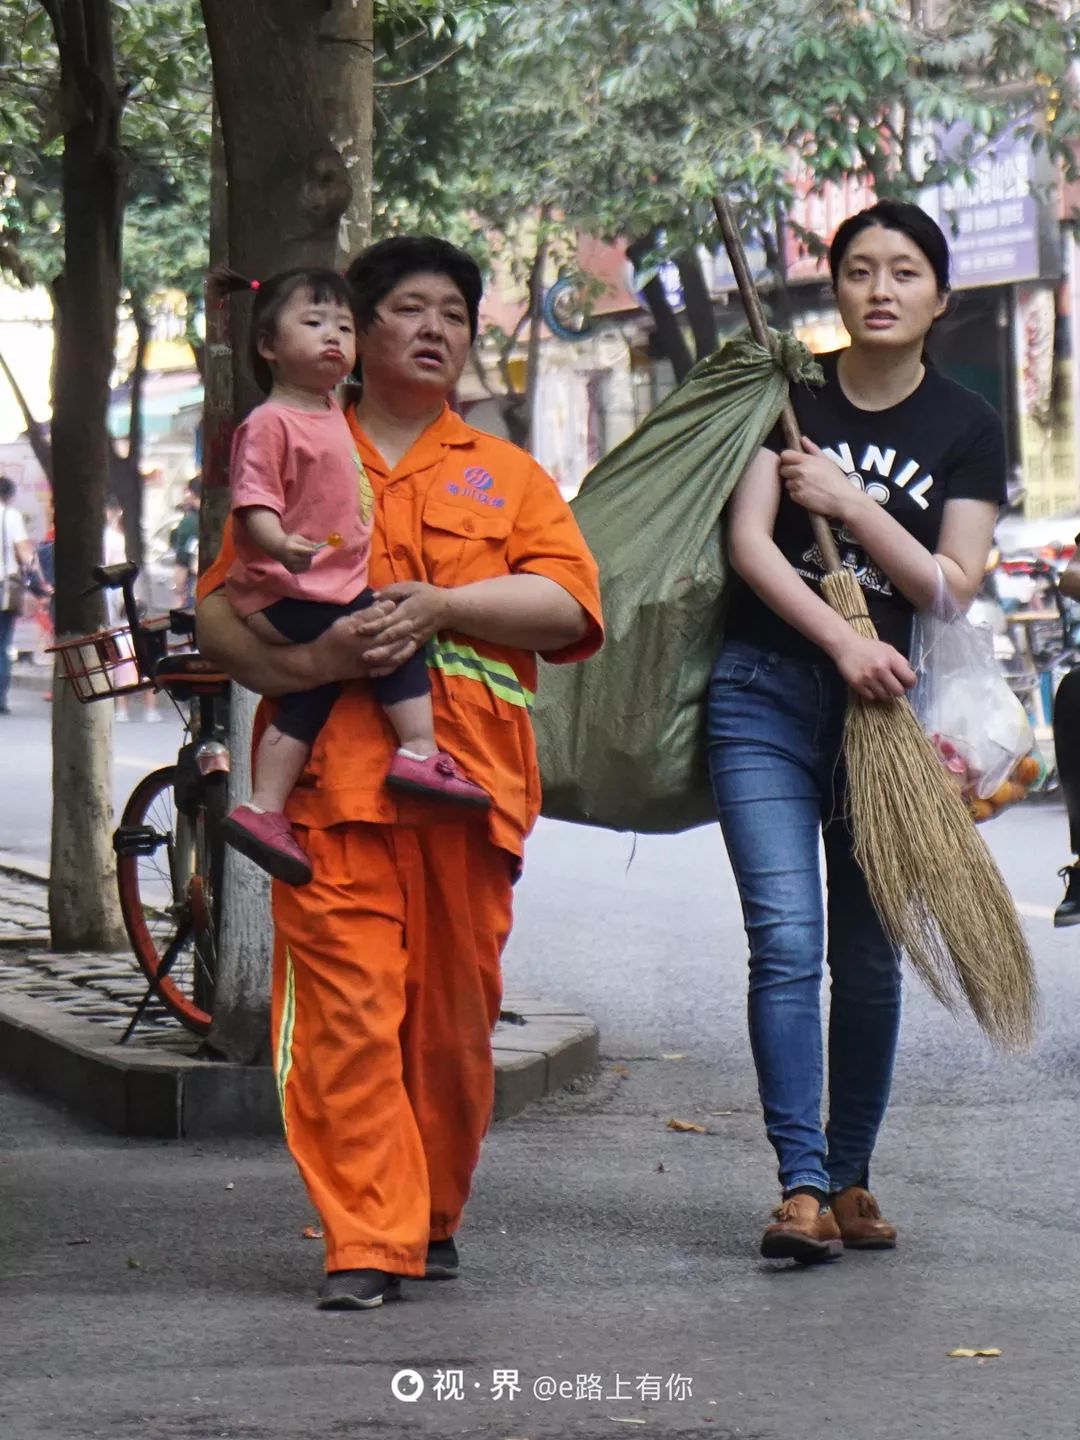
(1028, 771)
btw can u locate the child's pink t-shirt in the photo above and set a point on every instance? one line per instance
(303, 465)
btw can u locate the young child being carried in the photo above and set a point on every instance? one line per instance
(302, 509)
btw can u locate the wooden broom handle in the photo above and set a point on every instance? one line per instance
(759, 328)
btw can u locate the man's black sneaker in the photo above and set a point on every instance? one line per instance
(443, 1262)
(357, 1290)
(1068, 912)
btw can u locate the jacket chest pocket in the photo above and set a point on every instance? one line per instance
(463, 545)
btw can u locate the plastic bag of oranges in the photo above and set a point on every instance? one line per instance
(1026, 776)
(977, 725)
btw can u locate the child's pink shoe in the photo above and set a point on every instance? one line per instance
(436, 778)
(266, 837)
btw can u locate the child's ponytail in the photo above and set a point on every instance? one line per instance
(222, 282)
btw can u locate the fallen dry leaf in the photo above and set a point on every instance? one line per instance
(974, 1354)
(622, 1070)
(311, 1232)
(686, 1127)
(133, 1264)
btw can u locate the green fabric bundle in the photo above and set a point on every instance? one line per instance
(620, 736)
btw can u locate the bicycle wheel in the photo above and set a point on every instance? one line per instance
(168, 872)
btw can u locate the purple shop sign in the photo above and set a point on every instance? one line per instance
(995, 225)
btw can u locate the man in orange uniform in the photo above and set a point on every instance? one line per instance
(386, 969)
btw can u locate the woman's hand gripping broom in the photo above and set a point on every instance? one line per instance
(935, 885)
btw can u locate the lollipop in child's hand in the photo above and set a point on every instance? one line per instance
(334, 539)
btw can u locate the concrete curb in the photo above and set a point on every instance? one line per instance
(166, 1091)
(25, 867)
(170, 1095)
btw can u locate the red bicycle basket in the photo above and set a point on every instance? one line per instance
(102, 666)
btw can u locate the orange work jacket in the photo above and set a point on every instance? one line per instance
(461, 506)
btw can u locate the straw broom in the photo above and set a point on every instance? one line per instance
(933, 882)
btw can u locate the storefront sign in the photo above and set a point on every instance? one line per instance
(1001, 225)
(995, 223)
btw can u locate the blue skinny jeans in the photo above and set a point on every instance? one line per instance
(775, 738)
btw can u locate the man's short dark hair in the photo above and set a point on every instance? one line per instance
(7, 489)
(382, 266)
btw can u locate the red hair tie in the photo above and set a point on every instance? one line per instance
(254, 284)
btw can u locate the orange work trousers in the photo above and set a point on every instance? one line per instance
(387, 987)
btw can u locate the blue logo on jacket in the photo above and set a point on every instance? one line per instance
(478, 485)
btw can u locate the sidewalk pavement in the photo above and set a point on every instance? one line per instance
(62, 1016)
(163, 1290)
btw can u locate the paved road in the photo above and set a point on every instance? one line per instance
(599, 1242)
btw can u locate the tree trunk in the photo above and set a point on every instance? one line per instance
(536, 321)
(35, 431)
(240, 1030)
(83, 909)
(514, 403)
(197, 342)
(668, 333)
(289, 184)
(241, 1023)
(84, 912)
(217, 423)
(347, 38)
(296, 137)
(781, 304)
(125, 473)
(699, 305)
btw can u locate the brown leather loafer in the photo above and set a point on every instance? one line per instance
(860, 1221)
(802, 1232)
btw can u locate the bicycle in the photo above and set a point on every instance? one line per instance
(170, 853)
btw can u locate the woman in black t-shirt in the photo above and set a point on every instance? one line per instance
(909, 468)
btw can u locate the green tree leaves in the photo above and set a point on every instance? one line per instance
(625, 117)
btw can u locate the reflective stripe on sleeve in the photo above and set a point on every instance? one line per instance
(453, 658)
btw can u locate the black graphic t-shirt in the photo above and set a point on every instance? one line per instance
(942, 443)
